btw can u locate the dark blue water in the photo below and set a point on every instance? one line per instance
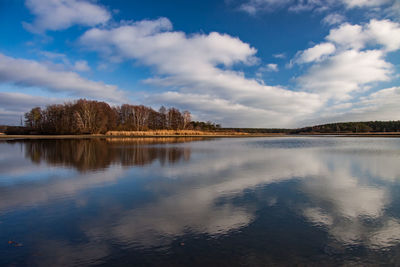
(323, 201)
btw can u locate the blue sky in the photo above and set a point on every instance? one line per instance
(241, 63)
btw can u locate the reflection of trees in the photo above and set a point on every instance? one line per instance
(92, 154)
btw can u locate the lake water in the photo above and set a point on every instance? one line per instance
(200, 202)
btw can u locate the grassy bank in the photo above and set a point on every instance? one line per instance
(192, 133)
(172, 133)
(153, 134)
(145, 134)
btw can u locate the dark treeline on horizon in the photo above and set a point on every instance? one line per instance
(340, 127)
(352, 127)
(95, 117)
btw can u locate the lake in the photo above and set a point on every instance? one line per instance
(323, 201)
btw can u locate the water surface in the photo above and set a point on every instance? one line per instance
(192, 201)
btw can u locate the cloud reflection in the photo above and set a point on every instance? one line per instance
(347, 191)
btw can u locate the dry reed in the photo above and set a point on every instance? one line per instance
(170, 133)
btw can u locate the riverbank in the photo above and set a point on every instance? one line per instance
(130, 136)
(377, 134)
(177, 134)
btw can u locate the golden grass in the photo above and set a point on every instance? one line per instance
(152, 140)
(170, 133)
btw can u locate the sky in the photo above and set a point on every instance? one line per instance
(240, 63)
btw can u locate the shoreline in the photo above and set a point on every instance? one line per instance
(133, 136)
(394, 135)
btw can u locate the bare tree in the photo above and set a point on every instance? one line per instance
(187, 118)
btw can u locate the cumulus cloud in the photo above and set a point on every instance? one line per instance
(380, 105)
(61, 61)
(155, 44)
(30, 73)
(253, 6)
(346, 72)
(365, 3)
(316, 53)
(207, 106)
(357, 62)
(381, 32)
(200, 65)
(61, 14)
(280, 55)
(386, 33)
(333, 19)
(348, 36)
(81, 65)
(270, 67)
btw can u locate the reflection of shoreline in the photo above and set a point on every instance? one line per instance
(153, 140)
(94, 154)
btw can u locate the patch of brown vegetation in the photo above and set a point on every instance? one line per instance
(171, 133)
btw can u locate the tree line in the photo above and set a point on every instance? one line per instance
(340, 127)
(352, 127)
(95, 117)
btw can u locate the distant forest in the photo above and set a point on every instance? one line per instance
(95, 117)
(352, 127)
(341, 127)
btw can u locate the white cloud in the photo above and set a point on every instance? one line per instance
(380, 105)
(62, 14)
(353, 66)
(81, 65)
(272, 67)
(219, 109)
(280, 55)
(316, 53)
(346, 72)
(192, 64)
(19, 101)
(169, 51)
(365, 3)
(393, 11)
(254, 6)
(385, 32)
(333, 19)
(30, 73)
(269, 67)
(348, 36)
(62, 62)
(309, 5)
(381, 32)
(198, 68)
